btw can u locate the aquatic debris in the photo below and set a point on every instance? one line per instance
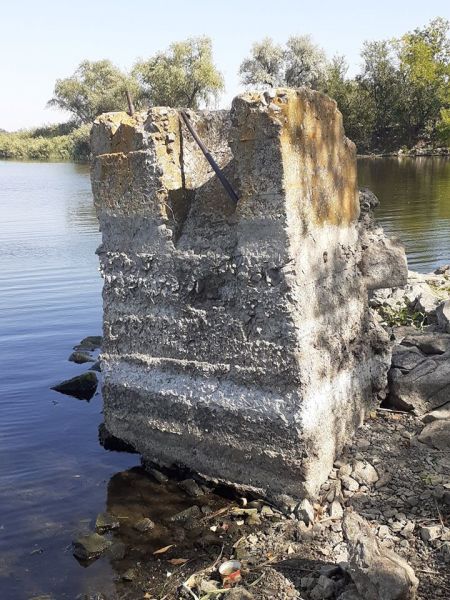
(230, 571)
(164, 549)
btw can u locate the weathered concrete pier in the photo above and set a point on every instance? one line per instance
(238, 340)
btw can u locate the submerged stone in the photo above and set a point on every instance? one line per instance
(106, 522)
(237, 339)
(80, 358)
(91, 342)
(144, 525)
(88, 547)
(82, 386)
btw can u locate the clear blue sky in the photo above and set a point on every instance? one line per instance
(41, 40)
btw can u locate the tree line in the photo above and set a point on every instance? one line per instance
(399, 98)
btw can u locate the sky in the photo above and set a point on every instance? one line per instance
(43, 40)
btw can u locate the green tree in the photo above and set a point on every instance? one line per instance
(354, 102)
(305, 63)
(424, 56)
(300, 63)
(381, 81)
(95, 87)
(265, 66)
(185, 75)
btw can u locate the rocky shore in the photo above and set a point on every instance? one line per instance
(378, 530)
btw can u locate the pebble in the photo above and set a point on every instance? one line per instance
(383, 532)
(144, 525)
(191, 488)
(305, 511)
(349, 483)
(364, 473)
(160, 477)
(428, 533)
(336, 510)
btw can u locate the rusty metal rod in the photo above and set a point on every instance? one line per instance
(130, 103)
(217, 170)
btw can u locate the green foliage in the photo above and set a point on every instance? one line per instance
(403, 315)
(400, 97)
(184, 76)
(95, 87)
(305, 62)
(265, 67)
(301, 62)
(443, 127)
(40, 144)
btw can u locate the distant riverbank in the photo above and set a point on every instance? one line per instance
(64, 142)
(70, 142)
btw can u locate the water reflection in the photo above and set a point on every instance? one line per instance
(415, 204)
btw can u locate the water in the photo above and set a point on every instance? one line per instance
(54, 476)
(415, 205)
(53, 472)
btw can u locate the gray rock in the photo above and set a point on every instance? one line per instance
(82, 386)
(191, 487)
(427, 301)
(442, 270)
(428, 343)
(430, 532)
(443, 316)
(443, 412)
(350, 484)
(96, 367)
(88, 547)
(436, 434)
(379, 573)
(406, 358)
(364, 473)
(367, 201)
(423, 388)
(80, 358)
(106, 522)
(336, 510)
(305, 511)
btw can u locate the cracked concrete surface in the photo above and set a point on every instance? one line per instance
(238, 341)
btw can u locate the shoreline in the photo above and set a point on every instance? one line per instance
(436, 152)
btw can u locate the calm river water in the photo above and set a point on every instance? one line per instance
(54, 475)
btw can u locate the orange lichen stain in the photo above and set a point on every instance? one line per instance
(317, 159)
